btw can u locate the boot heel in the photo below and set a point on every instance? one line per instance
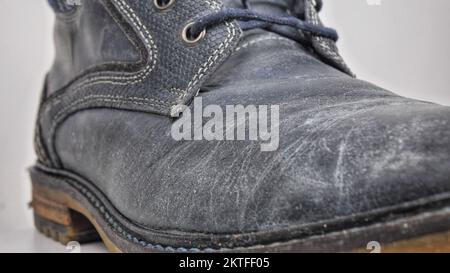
(54, 218)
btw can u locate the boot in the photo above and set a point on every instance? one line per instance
(339, 165)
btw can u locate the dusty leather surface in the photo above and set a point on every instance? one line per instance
(346, 146)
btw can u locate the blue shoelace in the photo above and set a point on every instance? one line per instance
(251, 19)
(248, 18)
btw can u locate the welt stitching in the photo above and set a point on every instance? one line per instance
(115, 225)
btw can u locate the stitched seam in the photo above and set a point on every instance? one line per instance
(136, 21)
(143, 101)
(213, 4)
(115, 225)
(135, 100)
(138, 77)
(181, 93)
(103, 98)
(150, 44)
(213, 58)
(89, 99)
(177, 92)
(232, 33)
(153, 55)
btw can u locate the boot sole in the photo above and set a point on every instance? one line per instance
(68, 208)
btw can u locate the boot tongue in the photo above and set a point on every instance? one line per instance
(275, 7)
(326, 53)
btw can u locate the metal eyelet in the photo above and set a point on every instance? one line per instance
(191, 40)
(163, 4)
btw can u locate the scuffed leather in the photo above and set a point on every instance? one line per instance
(346, 147)
(87, 38)
(169, 72)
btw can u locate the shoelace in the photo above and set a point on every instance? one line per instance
(251, 19)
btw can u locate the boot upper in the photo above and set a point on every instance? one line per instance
(349, 151)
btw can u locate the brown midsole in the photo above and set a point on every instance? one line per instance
(61, 209)
(61, 217)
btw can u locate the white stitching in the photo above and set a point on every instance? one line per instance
(103, 98)
(151, 45)
(213, 58)
(177, 92)
(214, 5)
(138, 77)
(136, 100)
(149, 42)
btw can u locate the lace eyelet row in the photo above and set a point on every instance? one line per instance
(165, 5)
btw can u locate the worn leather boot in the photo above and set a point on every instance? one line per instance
(354, 163)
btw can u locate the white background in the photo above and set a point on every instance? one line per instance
(401, 45)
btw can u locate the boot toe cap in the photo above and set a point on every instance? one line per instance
(386, 159)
